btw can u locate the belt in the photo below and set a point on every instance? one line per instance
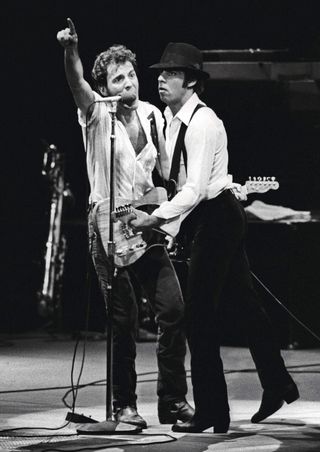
(224, 194)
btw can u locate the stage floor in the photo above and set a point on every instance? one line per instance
(35, 396)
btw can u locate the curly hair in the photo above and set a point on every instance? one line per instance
(117, 54)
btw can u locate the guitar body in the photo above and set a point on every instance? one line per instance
(129, 246)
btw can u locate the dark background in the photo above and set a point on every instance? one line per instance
(270, 132)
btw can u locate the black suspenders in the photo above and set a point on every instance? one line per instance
(178, 150)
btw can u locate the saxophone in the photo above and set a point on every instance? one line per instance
(50, 295)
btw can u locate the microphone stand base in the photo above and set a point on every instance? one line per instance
(108, 427)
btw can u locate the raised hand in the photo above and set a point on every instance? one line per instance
(68, 37)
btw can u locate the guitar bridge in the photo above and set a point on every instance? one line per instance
(127, 231)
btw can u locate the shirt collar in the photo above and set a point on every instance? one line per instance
(185, 112)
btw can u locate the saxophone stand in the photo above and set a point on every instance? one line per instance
(49, 306)
(110, 426)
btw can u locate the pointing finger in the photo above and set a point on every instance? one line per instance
(71, 26)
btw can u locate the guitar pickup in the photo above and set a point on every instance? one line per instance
(131, 249)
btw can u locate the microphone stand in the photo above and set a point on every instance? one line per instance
(110, 426)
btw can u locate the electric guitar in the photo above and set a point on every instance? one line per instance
(129, 245)
(180, 248)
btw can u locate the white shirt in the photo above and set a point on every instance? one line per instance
(133, 173)
(207, 161)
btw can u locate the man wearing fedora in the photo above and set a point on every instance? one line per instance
(114, 74)
(215, 223)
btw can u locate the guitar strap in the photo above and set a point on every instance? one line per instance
(157, 178)
(154, 132)
(180, 148)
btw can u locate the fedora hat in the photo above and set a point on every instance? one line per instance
(180, 55)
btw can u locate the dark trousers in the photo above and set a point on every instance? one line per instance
(155, 272)
(218, 259)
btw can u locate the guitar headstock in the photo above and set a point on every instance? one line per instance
(261, 184)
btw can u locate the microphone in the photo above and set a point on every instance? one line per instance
(109, 99)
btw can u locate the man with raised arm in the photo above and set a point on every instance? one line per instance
(114, 74)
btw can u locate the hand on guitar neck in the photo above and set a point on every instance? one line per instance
(141, 221)
(254, 185)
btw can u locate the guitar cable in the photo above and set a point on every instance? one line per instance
(284, 307)
(75, 386)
